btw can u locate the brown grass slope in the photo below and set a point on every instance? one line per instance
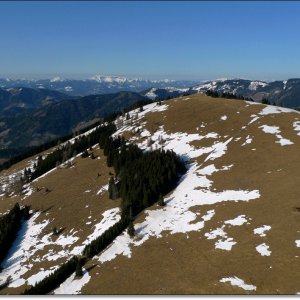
(189, 263)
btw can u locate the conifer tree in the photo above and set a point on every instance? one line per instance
(112, 189)
(130, 229)
(78, 271)
(161, 201)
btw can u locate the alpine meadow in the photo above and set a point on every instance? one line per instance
(146, 150)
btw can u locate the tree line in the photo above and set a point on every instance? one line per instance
(68, 150)
(53, 280)
(226, 95)
(10, 224)
(30, 151)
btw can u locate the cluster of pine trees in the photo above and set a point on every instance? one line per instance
(54, 280)
(142, 181)
(68, 150)
(10, 224)
(226, 95)
(140, 176)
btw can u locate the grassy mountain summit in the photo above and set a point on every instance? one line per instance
(230, 226)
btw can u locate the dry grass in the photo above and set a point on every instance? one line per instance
(176, 264)
(189, 263)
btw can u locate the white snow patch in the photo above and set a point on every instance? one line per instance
(263, 249)
(223, 118)
(110, 217)
(248, 140)
(151, 94)
(255, 84)
(32, 280)
(215, 233)
(176, 217)
(66, 240)
(270, 129)
(275, 130)
(253, 119)
(73, 285)
(296, 126)
(238, 221)
(103, 189)
(225, 244)
(16, 262)
(261, 230)
(270, 109)
(297, 243)
(235, 281)
(252, 103)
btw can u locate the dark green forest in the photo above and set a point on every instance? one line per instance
(10, 224)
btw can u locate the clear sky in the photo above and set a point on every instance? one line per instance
(181, 40)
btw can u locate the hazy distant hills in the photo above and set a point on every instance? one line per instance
(57, 119)
(20, 99)
(284, 93)
(97, 84)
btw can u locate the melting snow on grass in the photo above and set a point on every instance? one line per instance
(32, 280)
(110, 217)
(73, 285)
(248, 140)
(16, 263)
(261, 230)
(263, 249)
(225, 243)
(297, 243)
(254, 118)
(28, 242)
(270, 109)
(275, 130)
(235, 281)
(296, 126)
(176, 217)
(223, 118)
(193, 190)
(103, 189)
(238, 221)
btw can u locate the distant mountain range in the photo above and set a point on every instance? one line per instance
(97, 84)
(54, 120)
(284, 93)
(16, 100)
(31, 116)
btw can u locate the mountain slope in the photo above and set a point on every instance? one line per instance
(284, 93)
(230, 227)
(15, 100)
(59, 119)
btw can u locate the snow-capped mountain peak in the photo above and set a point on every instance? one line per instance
(56, 79)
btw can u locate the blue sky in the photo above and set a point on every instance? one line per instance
(181, 40)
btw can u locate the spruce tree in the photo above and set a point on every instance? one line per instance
(130, 229)
(161, 201)
(78, 271)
